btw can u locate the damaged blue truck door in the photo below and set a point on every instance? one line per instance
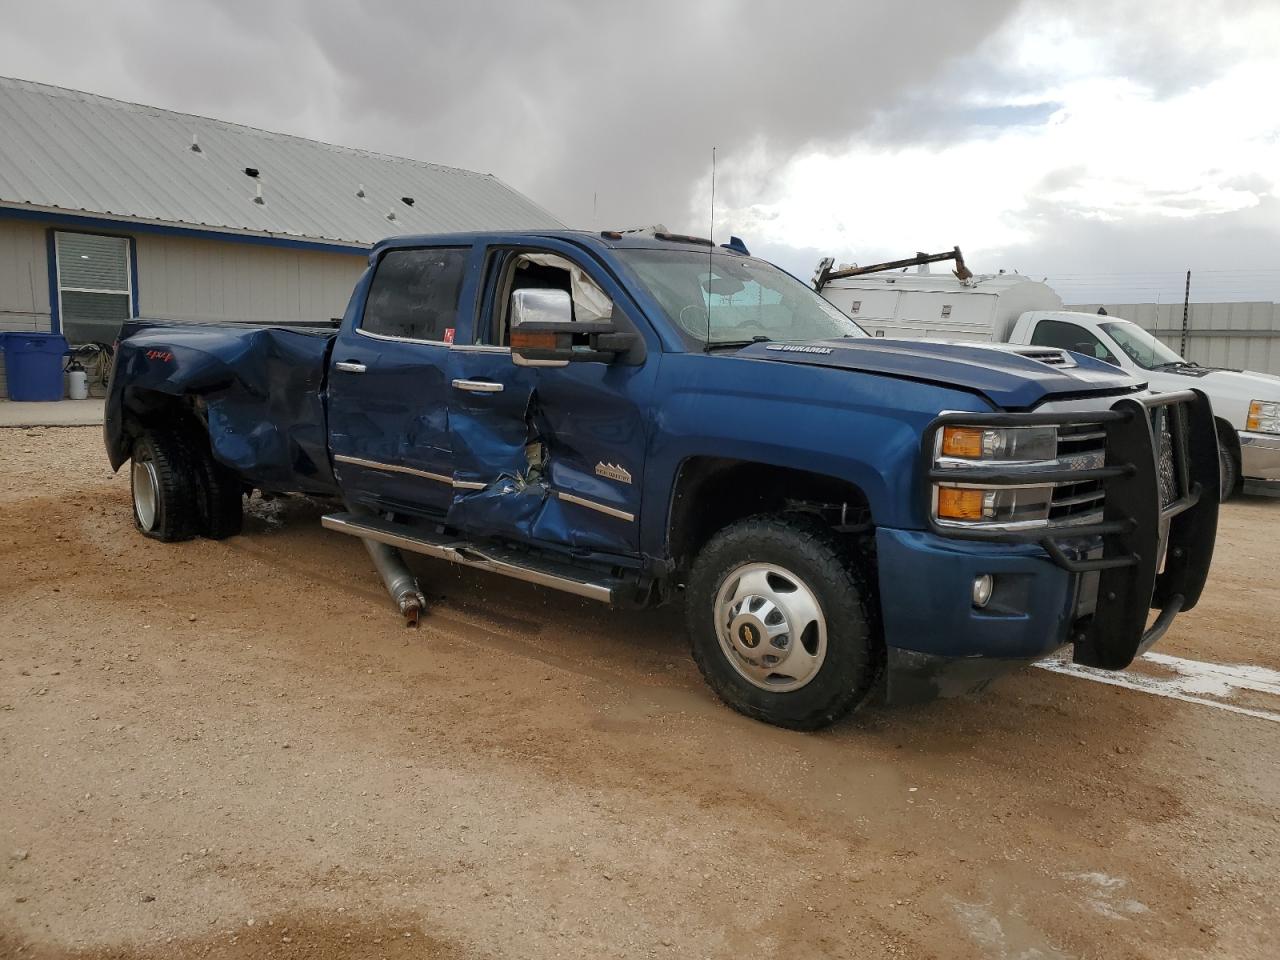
(550, 454)
(388, 397)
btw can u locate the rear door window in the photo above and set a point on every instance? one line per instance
(414, 294)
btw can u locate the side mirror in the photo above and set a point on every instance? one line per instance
(544, 333)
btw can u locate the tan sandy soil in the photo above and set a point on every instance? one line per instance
(234, 750)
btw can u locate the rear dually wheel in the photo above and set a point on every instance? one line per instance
(162, 484)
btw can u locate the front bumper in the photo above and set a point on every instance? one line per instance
(939, 644)
(1260, 462)
(1091, 585)
(926, 596)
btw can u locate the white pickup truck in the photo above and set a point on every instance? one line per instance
(1014, 309)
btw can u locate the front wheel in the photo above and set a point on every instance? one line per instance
(1228, 472)
(781, 621)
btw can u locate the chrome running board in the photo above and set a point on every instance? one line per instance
(509, 563)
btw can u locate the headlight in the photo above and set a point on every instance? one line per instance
(994, 504)
(1003, 477)
(999, 443)
(969, 502)
(963, 447)
(1264, 417)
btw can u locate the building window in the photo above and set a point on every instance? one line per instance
(95, 288)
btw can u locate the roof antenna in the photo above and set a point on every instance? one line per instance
(711, 246)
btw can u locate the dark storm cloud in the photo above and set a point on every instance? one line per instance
(568, 100)
(564, 99)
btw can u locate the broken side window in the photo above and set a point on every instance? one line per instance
(547, 271)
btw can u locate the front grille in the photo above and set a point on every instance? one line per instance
(1168, 431)
(1080, 447)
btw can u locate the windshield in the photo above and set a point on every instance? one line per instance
(1142, 348)
(735, 299)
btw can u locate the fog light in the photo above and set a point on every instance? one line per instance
(982, 586)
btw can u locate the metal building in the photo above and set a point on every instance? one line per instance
(111, 210)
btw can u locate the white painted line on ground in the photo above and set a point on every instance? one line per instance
(1193, 677)
(1217, 679)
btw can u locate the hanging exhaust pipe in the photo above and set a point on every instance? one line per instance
(400, 583)
(396, 577)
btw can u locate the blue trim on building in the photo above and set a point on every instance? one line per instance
(119, 228)
(133, 276)
(55, 304)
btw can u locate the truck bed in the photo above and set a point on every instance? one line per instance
(258, 387)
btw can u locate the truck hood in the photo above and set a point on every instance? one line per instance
(1006, 378)
(1241, 385)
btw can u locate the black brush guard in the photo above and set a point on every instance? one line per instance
(1147, 518)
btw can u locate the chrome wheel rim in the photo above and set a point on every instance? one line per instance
(146, 493)
(771, 627)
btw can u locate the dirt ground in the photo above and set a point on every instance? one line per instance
(235, 750)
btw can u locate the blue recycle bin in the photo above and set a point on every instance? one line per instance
(33, 365)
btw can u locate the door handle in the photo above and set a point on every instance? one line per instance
(478, 386)
(350, 366)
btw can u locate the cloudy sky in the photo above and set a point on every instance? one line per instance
(1108, 144)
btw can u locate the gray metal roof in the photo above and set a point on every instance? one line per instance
(74, 151)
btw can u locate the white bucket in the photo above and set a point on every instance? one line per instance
(78, 385)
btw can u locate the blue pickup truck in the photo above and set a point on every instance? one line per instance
(640, 418)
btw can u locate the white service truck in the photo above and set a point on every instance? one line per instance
(1015, 309)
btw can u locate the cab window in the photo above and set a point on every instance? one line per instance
(1071, 336)
(534, 270)
(414, 294)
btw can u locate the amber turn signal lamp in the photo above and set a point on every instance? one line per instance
(962, 442)
(533, 341)
(958, 503)
(1254, 422)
